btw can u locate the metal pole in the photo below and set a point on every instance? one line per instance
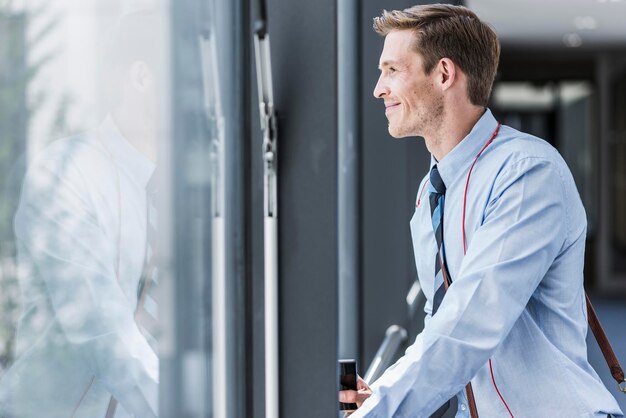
(604, 197)
(268, 125)
(215, 120)
(347, 190)
(395, 336)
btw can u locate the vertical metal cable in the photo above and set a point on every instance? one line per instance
(270, 207)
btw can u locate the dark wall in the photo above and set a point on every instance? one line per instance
(303, 42)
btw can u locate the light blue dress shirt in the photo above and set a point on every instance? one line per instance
(517, 295)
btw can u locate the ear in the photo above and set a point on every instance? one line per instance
(139, 75)
(446, 73)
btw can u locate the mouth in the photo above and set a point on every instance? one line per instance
(390, 107)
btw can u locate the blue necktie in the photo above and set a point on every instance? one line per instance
(437, 191)
(437, 197)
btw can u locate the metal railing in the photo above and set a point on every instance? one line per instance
(395, 337)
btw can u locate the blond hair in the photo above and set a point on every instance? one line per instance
(454, 32)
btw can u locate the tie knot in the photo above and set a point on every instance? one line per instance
(436, 182)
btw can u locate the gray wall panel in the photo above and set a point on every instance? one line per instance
(303, 40)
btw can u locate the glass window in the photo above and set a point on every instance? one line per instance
(115, 287)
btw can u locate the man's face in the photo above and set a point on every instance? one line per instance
(413, 105)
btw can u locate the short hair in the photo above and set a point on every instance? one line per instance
(454, 32)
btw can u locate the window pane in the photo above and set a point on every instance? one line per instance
(112, 216)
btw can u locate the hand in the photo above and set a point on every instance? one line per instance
(355, 396)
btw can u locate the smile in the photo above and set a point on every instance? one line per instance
(390, 107)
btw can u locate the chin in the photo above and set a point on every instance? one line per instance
(396, 133)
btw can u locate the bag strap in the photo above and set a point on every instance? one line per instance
(609, 355)
(471, 401)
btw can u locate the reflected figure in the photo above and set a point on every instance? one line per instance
(85, 228)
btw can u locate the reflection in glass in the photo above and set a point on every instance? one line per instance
(114, 215)
(85, 339)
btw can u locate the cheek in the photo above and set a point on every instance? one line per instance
(414, 100)
(423, 94)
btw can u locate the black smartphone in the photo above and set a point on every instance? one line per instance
(347, 381)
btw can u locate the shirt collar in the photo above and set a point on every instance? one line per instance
(457, 161)
(125, 155)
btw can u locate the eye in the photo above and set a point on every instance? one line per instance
(392, 70)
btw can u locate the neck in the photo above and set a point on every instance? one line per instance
(455, 126)
(136, 131)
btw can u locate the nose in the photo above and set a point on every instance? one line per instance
(381, 89)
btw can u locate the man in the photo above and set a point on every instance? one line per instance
(508, 238)
(82, 228)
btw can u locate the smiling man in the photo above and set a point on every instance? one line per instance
(499, 238)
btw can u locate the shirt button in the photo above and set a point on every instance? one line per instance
(463, 407)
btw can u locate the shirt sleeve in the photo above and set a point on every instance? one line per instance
(72, 262)
(524, 228)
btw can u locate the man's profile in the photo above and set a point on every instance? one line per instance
(498, 234)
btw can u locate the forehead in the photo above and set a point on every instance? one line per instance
(399, 47)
